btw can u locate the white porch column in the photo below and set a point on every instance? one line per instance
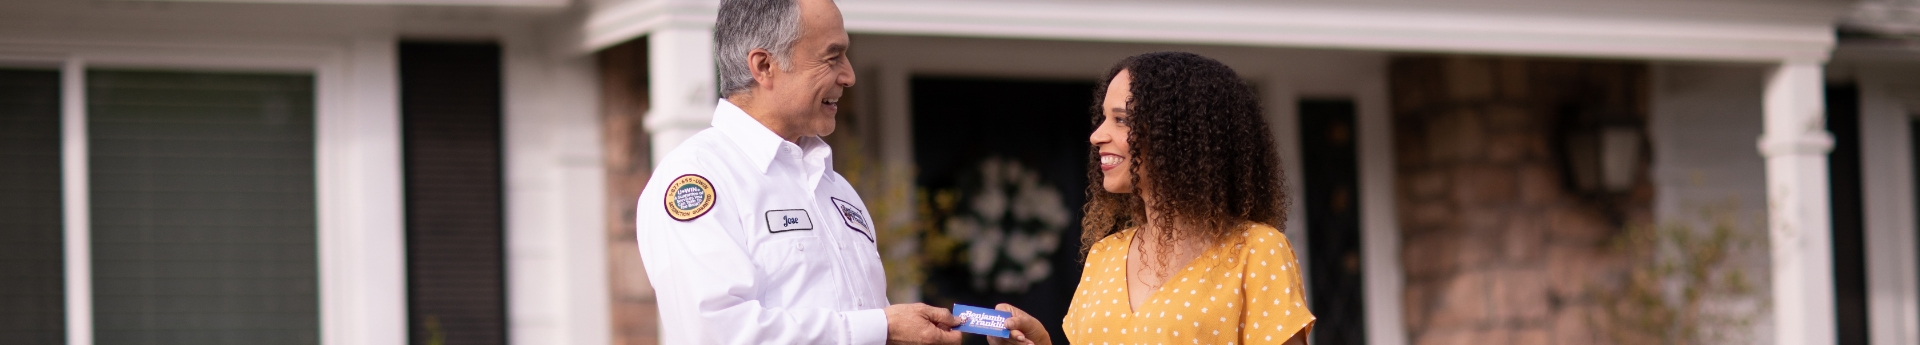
(680, 75)
(1795, 144)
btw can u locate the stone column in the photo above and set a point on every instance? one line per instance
(1795, 143)
(681, 84)
(635, 313)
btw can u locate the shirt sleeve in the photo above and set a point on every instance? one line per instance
(1276, 304)
(706, 280)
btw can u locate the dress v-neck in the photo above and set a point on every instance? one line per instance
(1126, 272)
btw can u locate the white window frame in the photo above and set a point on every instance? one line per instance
(357, 159)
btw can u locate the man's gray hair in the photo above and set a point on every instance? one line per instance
(744, 25)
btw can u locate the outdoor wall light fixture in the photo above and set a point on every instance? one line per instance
(1601, 151)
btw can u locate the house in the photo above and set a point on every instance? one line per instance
(464, 171)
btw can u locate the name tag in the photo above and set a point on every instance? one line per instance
(788, 220)
(982, 321)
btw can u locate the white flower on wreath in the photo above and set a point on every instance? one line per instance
(1014, 222)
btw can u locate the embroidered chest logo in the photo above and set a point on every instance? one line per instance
(788, 220)
(855, 218)
(690, 196)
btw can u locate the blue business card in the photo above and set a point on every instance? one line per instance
(981, 321)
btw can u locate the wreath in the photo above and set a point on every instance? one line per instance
(1008, 223)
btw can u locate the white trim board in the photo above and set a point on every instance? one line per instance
(555, 194)
(1404, 28)
(76, 208)
(1380, 221)
(362, 287)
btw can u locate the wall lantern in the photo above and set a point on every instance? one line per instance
(1601, 150)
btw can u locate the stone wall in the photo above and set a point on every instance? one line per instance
(623, 72)
(1497, 249)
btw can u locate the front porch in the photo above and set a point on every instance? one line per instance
(1465, 222)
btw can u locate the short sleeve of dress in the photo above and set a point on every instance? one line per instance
(1276, 305)
(1099, 282)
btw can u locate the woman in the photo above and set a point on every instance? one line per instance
(1179, 237)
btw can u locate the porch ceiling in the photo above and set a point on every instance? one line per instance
(1667, 30)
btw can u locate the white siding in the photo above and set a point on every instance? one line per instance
(1704, 122)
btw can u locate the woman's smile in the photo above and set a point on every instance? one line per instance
(1108, 161)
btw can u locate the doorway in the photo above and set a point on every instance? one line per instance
(1013, 140)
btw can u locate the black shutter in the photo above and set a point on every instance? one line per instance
(1331, 157)
(1849, 217)
(450, 107)
(32, 296)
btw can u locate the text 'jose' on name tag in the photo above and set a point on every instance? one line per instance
(981, 321)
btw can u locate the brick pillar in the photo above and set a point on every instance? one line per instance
(623, 82)
(1495, 249)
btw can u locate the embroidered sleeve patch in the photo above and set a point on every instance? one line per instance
(690, 196)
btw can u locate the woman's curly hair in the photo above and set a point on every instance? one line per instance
(1197, 133)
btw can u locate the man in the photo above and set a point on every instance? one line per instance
(747, 233)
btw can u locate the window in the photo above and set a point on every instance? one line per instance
(203, 207)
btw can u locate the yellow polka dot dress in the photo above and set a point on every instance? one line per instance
(1247, 294)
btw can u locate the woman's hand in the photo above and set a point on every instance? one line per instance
(1026, 330)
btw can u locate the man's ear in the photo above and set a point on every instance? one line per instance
(760, 62)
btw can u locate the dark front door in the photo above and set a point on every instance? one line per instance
(984, 148)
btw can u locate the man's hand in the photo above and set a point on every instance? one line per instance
(1026, 330)
(918, 323)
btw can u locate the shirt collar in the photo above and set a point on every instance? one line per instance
(760, 143)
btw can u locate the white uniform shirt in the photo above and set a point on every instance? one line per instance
(776, 249)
